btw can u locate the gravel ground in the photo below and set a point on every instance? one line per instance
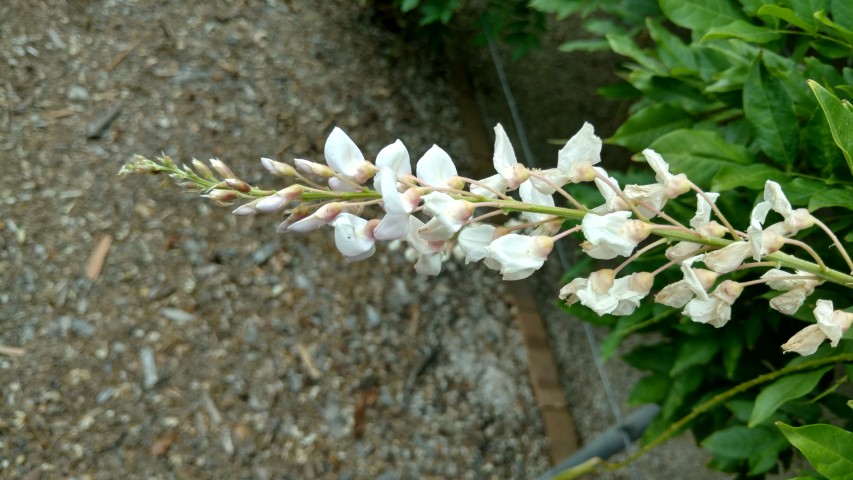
(209, 346)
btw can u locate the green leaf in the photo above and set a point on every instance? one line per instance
(650, 389)
(692, 352)
(783, 390)
(834, 29)
(752, 177)
(738, 442)
(699, 154)
(842, 13)
(682, 386)
(562, 8)
(701, 14)
(769, 110)
(585, 45)
(828, 448)
(818, 146)
(408, 5)
(833, 197)
(649, 124)
(807, 24)
(840, 118)
(742, 30)
(671, 50)
(624, 45)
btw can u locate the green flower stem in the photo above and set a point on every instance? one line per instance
(676, 427)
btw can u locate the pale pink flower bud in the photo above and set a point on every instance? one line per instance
(203, 170)
(278, 168)
(322, 216)
(221, 168)
(237, 184)
(298, 214)
(280, 199)
(219, 195)
(247, 209)
(313, 168)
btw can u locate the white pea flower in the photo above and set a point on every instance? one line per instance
(581, 152)
(613, 234)
(655, 196)
(436, 169)
(396, 158)
(519, 255)
(474, 241)
(793, 220)
(630, 290)
(322, 216)
(763, 240)
(612, 201)
(796, 290)
(429, 254)
(717, 309)
(593, 293)
(696, 283)
(728, 258)
(354, 236)
(529, 194)
(702, 223)
(346, 159)
(554, 176)
(831, 324)
(510, 173)
(449, 215)
(277, 168)
(398, 207)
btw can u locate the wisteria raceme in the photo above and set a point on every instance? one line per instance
(435, 211)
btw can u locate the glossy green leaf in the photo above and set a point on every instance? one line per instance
(807, 24)
(783, 390)
(742, 30)
(828, 448)
(752, 177)
(832, 197)
(649, 124)
(840, 118)
(701, 15)
(769, 110)
(699, 154)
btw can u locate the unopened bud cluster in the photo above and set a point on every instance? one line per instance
(431, 210)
